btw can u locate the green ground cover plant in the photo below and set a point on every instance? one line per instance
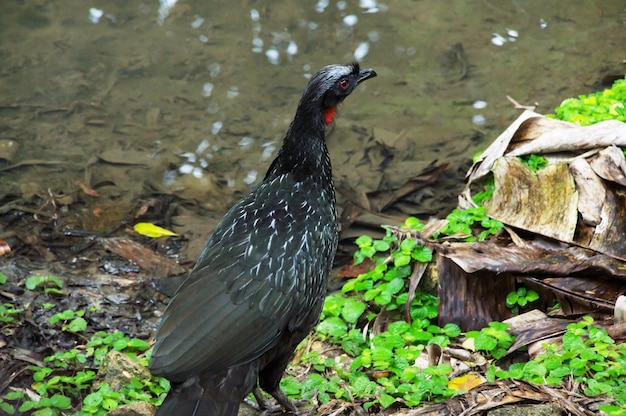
(67, 379)
(378, 368)
(609, 104)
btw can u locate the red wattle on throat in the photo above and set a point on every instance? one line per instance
(329, 114)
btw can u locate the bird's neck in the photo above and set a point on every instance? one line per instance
(304, 152)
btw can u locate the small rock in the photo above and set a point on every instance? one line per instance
(118, 370)
(134, 409)
(8, 149)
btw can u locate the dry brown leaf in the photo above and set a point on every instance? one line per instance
(591, 191)
(610, 164)
(148, 260)
(87, 190)
(497, 148)
(603, 134)
(352, 271)
(544, 202)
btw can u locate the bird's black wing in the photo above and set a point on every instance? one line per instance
(246, 288)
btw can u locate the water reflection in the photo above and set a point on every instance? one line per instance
(164, 10)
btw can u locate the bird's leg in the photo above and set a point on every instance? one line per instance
(283, 400)
(284, 404)
(262, 402)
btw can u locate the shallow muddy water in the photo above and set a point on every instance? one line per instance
(193, 98)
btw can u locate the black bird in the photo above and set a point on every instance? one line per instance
(258, 287)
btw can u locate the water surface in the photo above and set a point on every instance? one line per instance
(193, 98)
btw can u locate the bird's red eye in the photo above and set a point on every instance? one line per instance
(343, 84)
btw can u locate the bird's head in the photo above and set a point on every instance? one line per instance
(330, 86)
(304, 151)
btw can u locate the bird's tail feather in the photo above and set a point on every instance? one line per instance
(178, 406)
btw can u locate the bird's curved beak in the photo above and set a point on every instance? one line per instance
(366, 74)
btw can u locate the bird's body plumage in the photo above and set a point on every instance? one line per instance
(258, 287)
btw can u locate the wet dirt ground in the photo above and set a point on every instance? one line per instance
(168, 116)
